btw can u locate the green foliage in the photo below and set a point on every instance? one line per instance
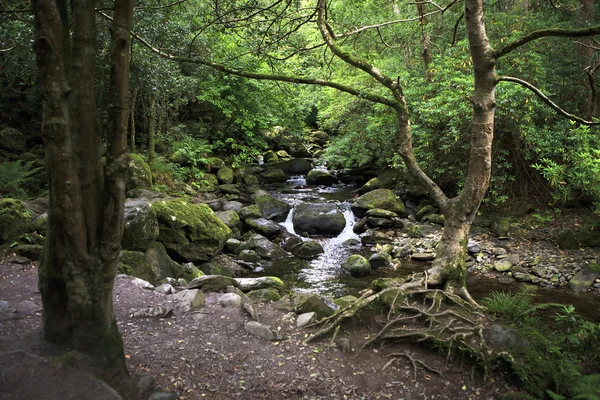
(13, 174)
(557, 358)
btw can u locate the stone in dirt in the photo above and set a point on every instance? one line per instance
(228, 300)
(506, 263)
(190, 299)
(264, 295)
(212, 283)
(423, 256)
(264, 282)
(583, 279)
(305, 319)
(152, 312)
(304, 302)
(262, 331)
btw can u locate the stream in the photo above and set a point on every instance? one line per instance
(324, 275)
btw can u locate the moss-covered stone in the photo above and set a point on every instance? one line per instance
(208, 183)
(283, 155)
(189, 272)
(305, 303)
(272, 175)
(225, 175)
(212, 283)
(318, 219)
(229, 218)
(12, 140)
(357, 265)
(583, 279)
(263, 295)
(131, 261)
(270, 156)
(15, 219)
(379, 198)
(31, 251)
(190, 232)
(270, 207)
(345, 301)
(320, 177)
(139, 174)
(252, 211)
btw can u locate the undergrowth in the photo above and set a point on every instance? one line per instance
(558, 357)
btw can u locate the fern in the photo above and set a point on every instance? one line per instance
(12, 176)
(587, 388)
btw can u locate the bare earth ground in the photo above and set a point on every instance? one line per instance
(208, 354)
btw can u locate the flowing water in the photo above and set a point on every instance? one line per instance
(324, 274)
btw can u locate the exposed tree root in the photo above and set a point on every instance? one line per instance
(449, 319)
(413, 362)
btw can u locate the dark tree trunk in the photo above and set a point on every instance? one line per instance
(85, 216)
(132, 122)
(152, 129)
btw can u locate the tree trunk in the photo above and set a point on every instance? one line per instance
(132, 123)
(426, 42)
(78, 268)
(152, 129)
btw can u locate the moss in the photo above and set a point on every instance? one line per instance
(263, 295)
(139, 174)
(225, 175)
(31, 251)
(208, 183)
(15, 218)
(380, 198)
(345, 301)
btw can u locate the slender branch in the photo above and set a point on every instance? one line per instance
(254, 75)
(8, 49)
(455, 31)
(546, 100)
(160, 7)
(556, 32)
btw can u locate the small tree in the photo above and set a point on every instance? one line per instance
(85, 217)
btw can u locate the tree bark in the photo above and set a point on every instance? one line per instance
(132, 122)
(78, 268)
(152, 129)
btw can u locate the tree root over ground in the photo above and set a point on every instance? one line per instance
(435, 317)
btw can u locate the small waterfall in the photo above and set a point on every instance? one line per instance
(288, 225)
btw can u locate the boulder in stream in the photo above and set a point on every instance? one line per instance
(357, 265)
(270, 207)
(320, 177)
(379, 198)
(319, 219)
(265, 227)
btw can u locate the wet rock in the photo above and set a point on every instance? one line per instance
(232, 206)
(212, 283)
(380, 260)
(264, 282)
(375, 222)
(360, 226)
(583, 279)
(270, 207)
(190, 299)
(229, 218)
(252, 211)
(357, 265)
(261, 331)
(305, 319)
(379, 198)
(381, 213)
(374, 237)
(308, 249)
(320, 177)
(423, 256)
(273, 175)
(265, 248)
(319, 219)
(295, 166)
(506, 263)
(249, 256)
(264, 227)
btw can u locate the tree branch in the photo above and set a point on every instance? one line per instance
(254, 75)
(594, 30)
(546, 100)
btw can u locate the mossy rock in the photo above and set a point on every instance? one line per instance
(139, 174)
(208, 183)
(263, 295)
(320, 177)
(263, 282)
(190, 232)
(31, 251)
(270, 207)
(379, 198)
(15, 219)
(225, 175)
(229, 218)
(189, 272)
(252, 211)
(161, 264)
(283, 155)
(295, 166)
(305, 303)
(357, 265)
(270, 156)
(372, 184)
(13, 141)
(345, 301)
(212, 283)
(134, 263)
(272, 175)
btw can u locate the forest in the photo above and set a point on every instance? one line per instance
(414, 179)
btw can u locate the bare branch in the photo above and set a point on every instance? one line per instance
(556, 32)
(547, 100)
(254, 75)
(8, 49)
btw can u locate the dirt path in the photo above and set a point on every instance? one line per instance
(208, 354)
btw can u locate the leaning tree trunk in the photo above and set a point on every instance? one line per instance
(85, 216)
